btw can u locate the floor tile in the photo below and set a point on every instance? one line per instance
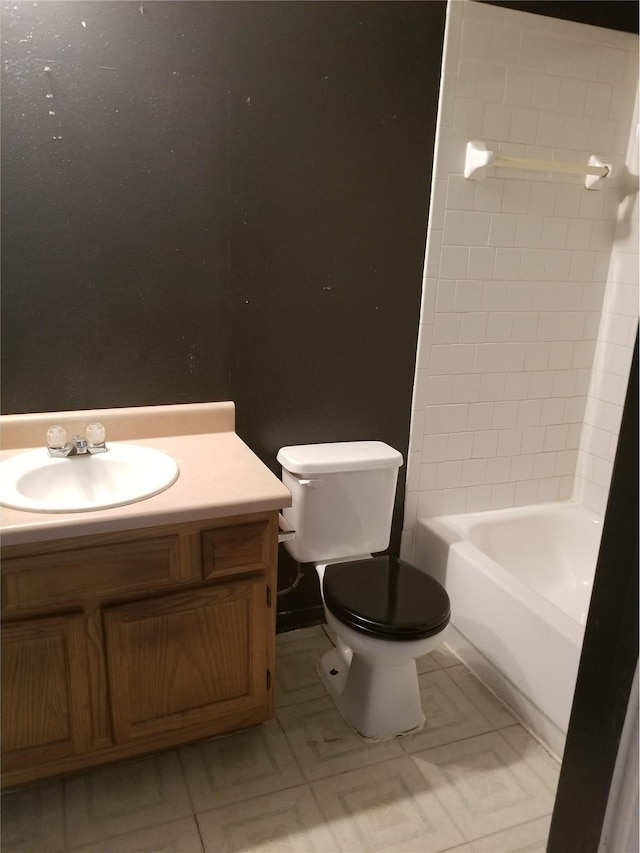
(537, 757)
(238, 767)
(33, 819)
(388, 807)
(286, 822)
(484, 784)
(449, 714)
(444, 657)
(329, 633)
(124, 798)
(527, 838)
(288, 637)
(427, 663)
(489, 706)
(297, 678)
(325, 744)
(179, 836)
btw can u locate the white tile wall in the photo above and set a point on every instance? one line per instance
(517, 268)
(613, 351)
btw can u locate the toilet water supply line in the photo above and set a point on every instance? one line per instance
(285, 532)
(294, 583)
(479, 158)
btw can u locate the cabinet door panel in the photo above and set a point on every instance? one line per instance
(45, 690)
(187, 660)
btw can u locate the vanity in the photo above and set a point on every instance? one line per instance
(136, 628)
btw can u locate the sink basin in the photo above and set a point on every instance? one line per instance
(126, 473)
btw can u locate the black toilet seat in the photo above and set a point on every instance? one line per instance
(386, 598)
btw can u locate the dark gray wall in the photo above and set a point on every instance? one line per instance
(612, 14)
(205, 201)
(209, 201)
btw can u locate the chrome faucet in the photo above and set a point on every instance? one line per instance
(57, 444)
(79, 446)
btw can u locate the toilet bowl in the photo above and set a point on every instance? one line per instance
(384, 612)
(383, 622)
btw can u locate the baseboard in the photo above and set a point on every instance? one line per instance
(293, 619)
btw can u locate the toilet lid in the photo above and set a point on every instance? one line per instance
(386, 597)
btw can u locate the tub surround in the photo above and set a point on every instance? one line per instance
(519, 267)
(219, 475)
(141, 627)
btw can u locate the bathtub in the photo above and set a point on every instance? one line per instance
(520, 582)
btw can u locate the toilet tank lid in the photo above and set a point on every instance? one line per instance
(338, 456)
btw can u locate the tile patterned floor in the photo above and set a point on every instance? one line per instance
(472, 781)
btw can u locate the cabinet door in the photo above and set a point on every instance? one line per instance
(45, 691)
(194, 661)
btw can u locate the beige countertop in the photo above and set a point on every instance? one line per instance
(219, 475)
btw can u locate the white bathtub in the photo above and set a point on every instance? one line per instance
(520, 582)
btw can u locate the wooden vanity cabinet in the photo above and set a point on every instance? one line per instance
(118, 645)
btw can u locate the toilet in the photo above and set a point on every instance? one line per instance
(385, 612)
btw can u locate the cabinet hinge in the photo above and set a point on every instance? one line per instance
(268, 679)
(268, 596)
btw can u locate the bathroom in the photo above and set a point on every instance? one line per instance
(281, 196)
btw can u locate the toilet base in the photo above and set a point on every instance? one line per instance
(378, 701)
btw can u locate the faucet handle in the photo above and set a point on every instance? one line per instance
(96, 435)
(56, 438)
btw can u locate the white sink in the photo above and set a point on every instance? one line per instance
(125, 473)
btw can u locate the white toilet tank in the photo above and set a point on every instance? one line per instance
(343, 496)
